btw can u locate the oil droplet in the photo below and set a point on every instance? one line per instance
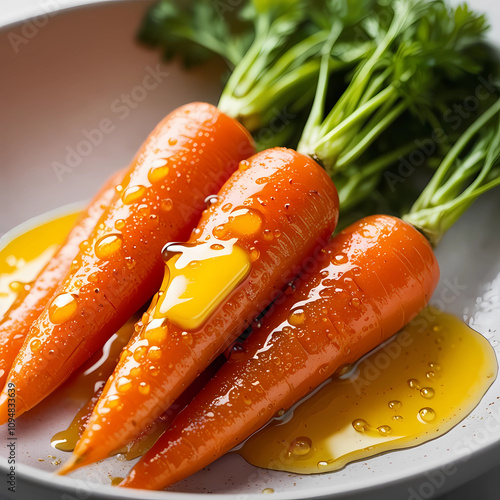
(267, 491)
(62, 308)
(217, 246)
(158, 174)
(133, 194)
(413, 383)
(119, 224)
(172, 141)
(166, 205)
(430, 375)
(300, 446)
(107, 246)
(360, 425)
(116, 480)
(277, 233)
(322, 464)
(384, 430)
(426, 415)
(330, 416)
(427, 392)
(297, 317)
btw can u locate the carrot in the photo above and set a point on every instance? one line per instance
(189, 155)
(373, 278)
(17, 321)
(279, 209)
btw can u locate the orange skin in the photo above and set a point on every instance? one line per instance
(373, 278)
(23, 312)
(201, 147)
(299, 205)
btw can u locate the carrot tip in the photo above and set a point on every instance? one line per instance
(71, 465)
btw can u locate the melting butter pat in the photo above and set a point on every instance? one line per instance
(201, 277)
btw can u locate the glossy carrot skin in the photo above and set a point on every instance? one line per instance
(299, 207)
(19, 318)
(373, 278)
(188, 156)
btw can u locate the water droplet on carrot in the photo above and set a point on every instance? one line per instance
(166, 205)
(144, 388)
(123, 384)
(35, 344)
(119, 224)
(227, 207)
(244, 165)
(297, 317)
(210, 200)
(172, 141)
(158, 173)
(140, 353)
(154, 353)
(62, 308)
(237, 353)
(108, 246)
(268, 234)
(133, 194)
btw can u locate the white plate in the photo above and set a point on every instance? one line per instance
(65, 79)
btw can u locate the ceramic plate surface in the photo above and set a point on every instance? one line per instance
(58, 87)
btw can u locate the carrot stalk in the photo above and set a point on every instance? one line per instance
(18, 319)
(270, 218)
(188, 156)
(371, 280)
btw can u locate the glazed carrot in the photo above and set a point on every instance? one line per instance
(189, 155)
(279, 209)
(17, 321)
(373, 278)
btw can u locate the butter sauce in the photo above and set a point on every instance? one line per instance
(408, 391)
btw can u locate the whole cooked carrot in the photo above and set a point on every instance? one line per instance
(17, 321)
(119, 267)
(373, 278)
(279, 209)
